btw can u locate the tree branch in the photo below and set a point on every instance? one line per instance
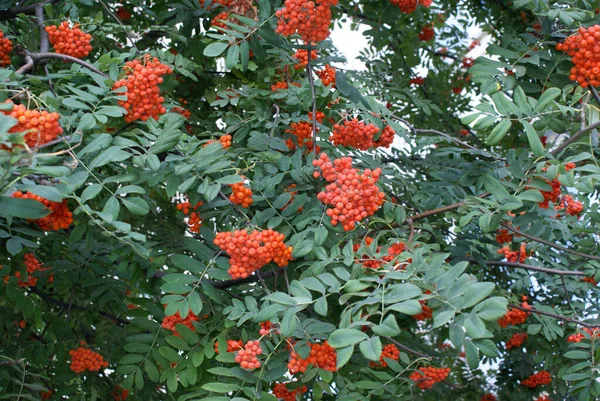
(39, 16)
(32, 58)
(410, 350)
(549, 243)
(250, 279)
(555, 316)
(575, 137)
(534, 268)
(309, 73)
(29, 10)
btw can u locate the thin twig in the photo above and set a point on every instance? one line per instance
(410, 350)
(567, 295)
(29, 10)
(555, 316)
(575, 137)
(50, 84)
(32, 58)
(534, 268)
(55, 141)
(412, 230)
(549, 243)
(275, 118)
(121, 24)
(595, 93)
(309, 73)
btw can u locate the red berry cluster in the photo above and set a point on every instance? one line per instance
(584, 49)
(543, 398)
(6, 47)
(488, 397)
(143, 94)
(537, 379)
(551, 196)
(232, 346)
(406, 6)
(40, 126)
(417, 81)
(390, 351)
(427, 34)
(247, 357)
(426, 311)
(70, 41)
(250, 251)
(354, 134)
(182, 110)
(33, 265)
(123, 14)
(279, 86)
(425, 3)
(240, 195)
(514, 316)
(83, 359)
(467, 62)
(464, 132)
(217, 21)
(352, 196)
(573, 207)
(45, 395)
(590, 280)
(302, 56)
(59, 217)
(321, 355)
(310, 19)
(120, 394)
(426, 377)
(515, 256)
(303, 131)
(194, 221)
(265, 328)
(577, 337)
(327, 75)
(225, 141)
(386, 138)
(281, 391)
(503, 236)
(170, 322)
(516, 340)
(369, 263)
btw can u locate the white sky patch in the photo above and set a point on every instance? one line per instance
(350, 43)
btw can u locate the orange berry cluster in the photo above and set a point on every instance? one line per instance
(577, 337)
(393, 251)
(6, 47)
(514, 316)
(120, 394)
(302, 56)
(551, 196)
(240, 195)
(516, 340)
(21, 323)
(573, 207)
(390, 351)
(250, 251)
(303, 131)
(293, 193)
(514, 256)
(543, 398)
(83, 359)
(584, 49)
(427, 34)
(426, 311)
(279, 85)
(194, 221)
(265, 328)
(247, 357)
(425, 3)
(45, 395)
(426, 377)
(352, 196)
(327, 75)
(386, 138)
(417, 81)
(181, 110)
(354, 134)
(310, 19)
(537, 379)
(217, 21)
(225, 141)
(59, 217)
(590, 280)
(464, 132)
(143, 94)
(406, 6)
(41, 126)
(321, 355)
(503, 236)
(281, 391)
(232, 346)
(33, 265)
(70, 41)
(488, 397)
(170, 322)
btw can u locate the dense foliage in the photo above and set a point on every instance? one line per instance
(197, 204)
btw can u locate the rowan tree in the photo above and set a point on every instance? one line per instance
(200, 201)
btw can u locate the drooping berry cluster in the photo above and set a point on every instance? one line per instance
(583, 49)
(590, 280)
(250, 251)
(516, 340)
(70, 41)
(182, 110)
(59, 218)
(577, 337)
(503, 236)
(33, 265)
(170, 322)
(572, 207)
(352, 196)
(386, 138)
(240, 195)
(354, 134)
(464, 132)
(417, 81)
(217, 21)
(123, 14)
(551, 196)
(514, 316)
(232, 346)
(322, 355)
(427, 34)
(281, 391)
(543, 398)
(41, 127)
(303, 131)
(327, 75)
(277, 86)
(310, 19)
(83, 359)
(371, 263)
(265, 328)
(390, 351)
(225, 141)
(143, 94)
(194, 221)
(45, 395)
(426, 311)
(120, 394)
(540, 378)
(488, 397)
(406, 6)
(302, 56)
(247, 357)
(515, 256)
(427, 376)
(6, 47)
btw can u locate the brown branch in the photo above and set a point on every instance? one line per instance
(595, 93)
(309, 73)
(250, 279)
(549, 243)
(412, 230)
(567, 295)
(410, 350)
(555, 316)
(39, 16)
(29, 10)
(575, 137)
(534, 268)
(32, 58)
(19, 361)
(27, 66)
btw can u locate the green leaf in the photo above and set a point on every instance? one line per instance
(441, 318)
(534, 141)
(371, 348)
(487, 347)
(346, 337)
(220, 387)
(22, 208)
(410, 307)
(151, 370)
(549, 95)
(494, 187)
(532, 195)
(90, 192)
(472, 354)
(169, 353)
(112, 154)
(136, 206)
(498, 132)
(215, 49)
(343, 355)
(389, 327)
(46, 192)
(288, 323)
